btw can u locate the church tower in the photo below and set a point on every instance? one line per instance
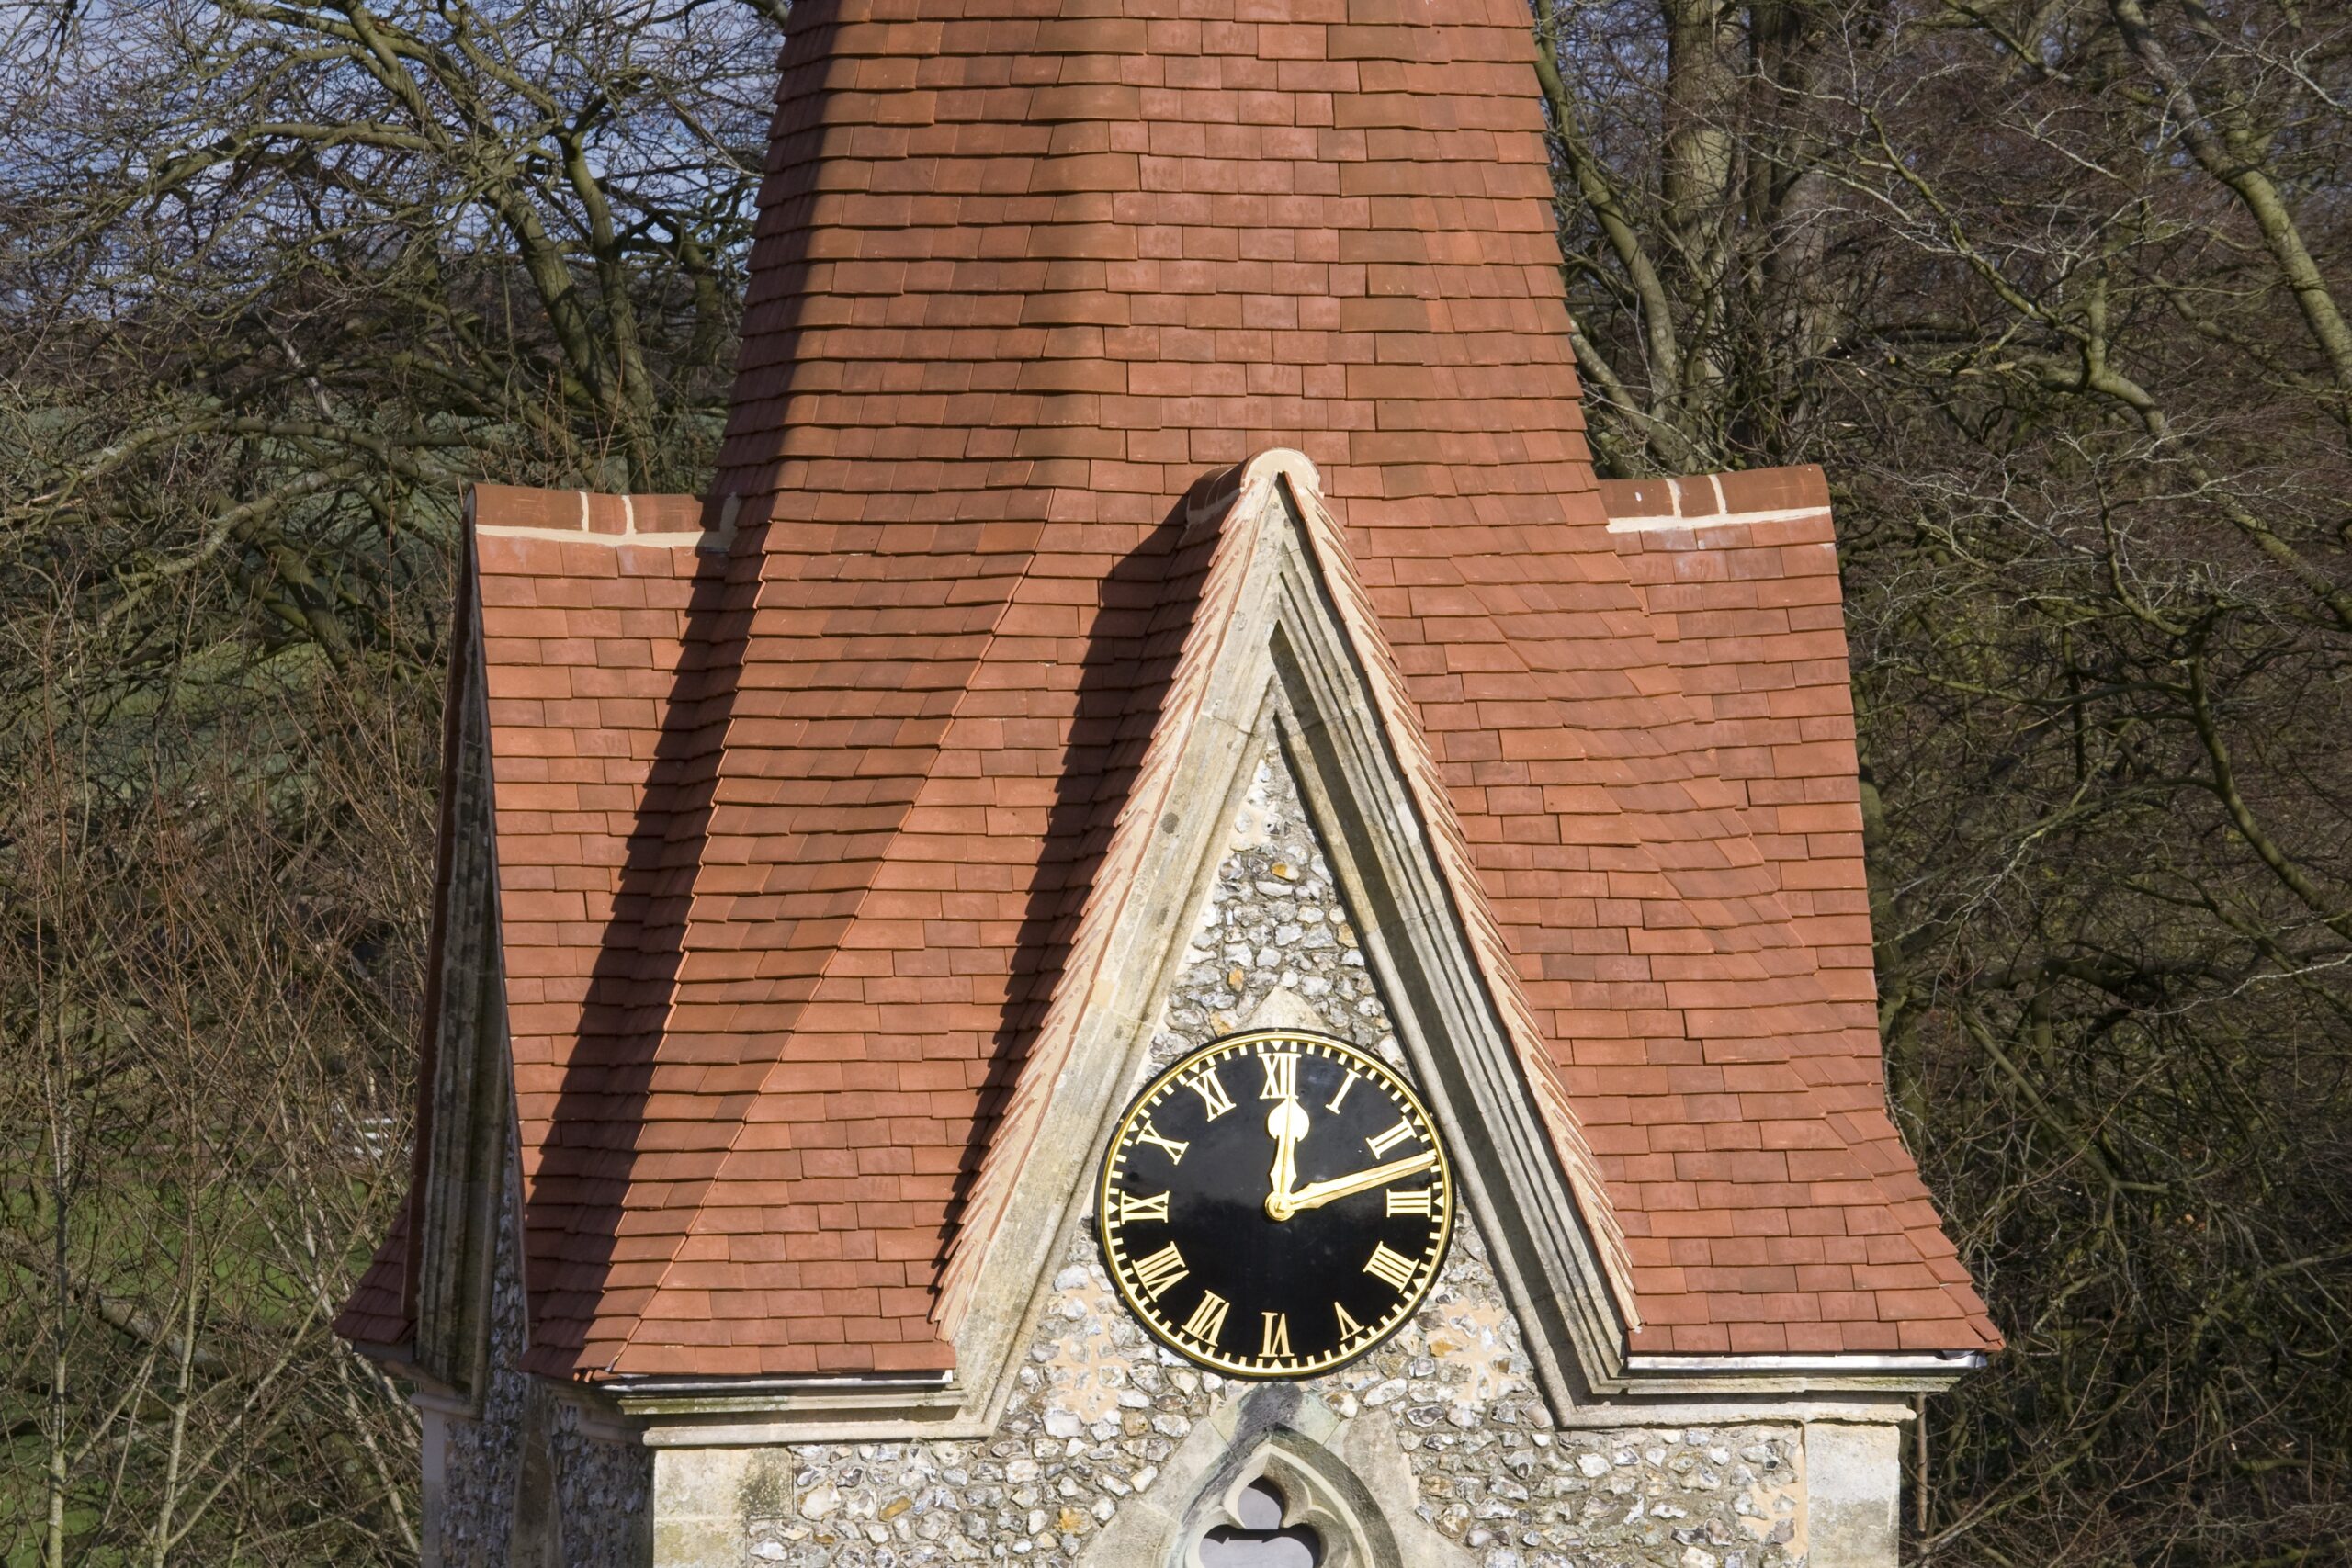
(1159, 934)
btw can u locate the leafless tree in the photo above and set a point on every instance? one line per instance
(276, 279)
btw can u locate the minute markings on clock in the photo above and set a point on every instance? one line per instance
(1274, 1205)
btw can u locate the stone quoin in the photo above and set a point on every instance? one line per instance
(1155, 589)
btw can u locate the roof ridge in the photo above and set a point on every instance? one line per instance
(832, 949)
(1054, 1034)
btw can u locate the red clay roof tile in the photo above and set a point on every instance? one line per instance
(795, 847)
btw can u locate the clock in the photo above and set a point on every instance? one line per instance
(1274, 1205)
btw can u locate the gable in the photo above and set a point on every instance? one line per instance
(1263, 623)
(425, 1298)
(1277, 943)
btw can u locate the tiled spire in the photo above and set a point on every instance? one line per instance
(1028, 270)
(1034, 261)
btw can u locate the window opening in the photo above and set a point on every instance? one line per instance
(1259, 1540)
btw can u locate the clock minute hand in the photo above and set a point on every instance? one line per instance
(1314, 1194)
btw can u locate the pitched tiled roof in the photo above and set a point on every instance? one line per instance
(1740, 575)
(791, 859)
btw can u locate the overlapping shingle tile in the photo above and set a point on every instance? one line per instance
(1740, 574)
(1020, 278)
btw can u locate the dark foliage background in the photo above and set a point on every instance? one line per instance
(2051, 286)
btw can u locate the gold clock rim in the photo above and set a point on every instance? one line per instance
(1143, 1314)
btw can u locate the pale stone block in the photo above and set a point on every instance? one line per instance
(1854, 1493)
(698, 1504)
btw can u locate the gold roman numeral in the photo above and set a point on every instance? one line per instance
(1349, 1326)
(1159, 1270)
(1275, 1340)
(1401, 1133)
(1393, 1266)
(1282, 1074)
(1346, 1084)
(1213, 1096)
(1139, 1206)
(1174, 1150)
(1416, 1202)
(1208, 1318)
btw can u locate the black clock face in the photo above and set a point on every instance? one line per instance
(1276, 1204)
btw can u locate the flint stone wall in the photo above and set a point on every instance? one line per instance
(1098, 1410)
(582, 1503)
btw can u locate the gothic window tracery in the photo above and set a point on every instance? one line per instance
(1259, 1540)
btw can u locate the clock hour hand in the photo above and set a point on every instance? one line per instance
(1314, 1194)
(1287, 1123)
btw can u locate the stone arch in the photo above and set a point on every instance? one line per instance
(1318, 1491)
(1348, 1479)
(1263, 1542)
